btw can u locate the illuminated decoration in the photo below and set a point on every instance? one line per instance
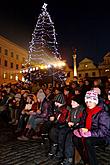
(44, 60)
(43, 48)
(74, 60)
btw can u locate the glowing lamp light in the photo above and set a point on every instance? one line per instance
(49, 66)
(31, 69)
(41, 67)
(37, 68)
(23, 79)
(16, 77)
(23, 71)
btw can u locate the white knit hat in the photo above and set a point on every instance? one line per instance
(91, 96)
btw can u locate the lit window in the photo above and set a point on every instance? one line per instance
(16, 77)
(4, 75)
(86, 65)
(107, 70)
(11, 76)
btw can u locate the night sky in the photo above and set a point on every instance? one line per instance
(84, 25)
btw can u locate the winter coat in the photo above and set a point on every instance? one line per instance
(75, 115)
(46, 109)
(100, 124)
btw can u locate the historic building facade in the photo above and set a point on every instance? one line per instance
(12, 57)
(87, 68)
(104, 67)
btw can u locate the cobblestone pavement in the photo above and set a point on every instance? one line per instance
(15, 152)
(34, 153)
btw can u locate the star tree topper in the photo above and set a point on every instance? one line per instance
(44, 6)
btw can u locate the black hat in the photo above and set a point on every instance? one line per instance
(60, 98)
(78, 99)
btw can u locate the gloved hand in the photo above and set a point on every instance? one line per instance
(84, 133)
(77, 133)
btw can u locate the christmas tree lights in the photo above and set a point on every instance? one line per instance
(43, 48)
(44, 60)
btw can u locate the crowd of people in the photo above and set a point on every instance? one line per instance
(76, 116)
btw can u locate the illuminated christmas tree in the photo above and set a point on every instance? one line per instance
(43, 46)
(44, 60)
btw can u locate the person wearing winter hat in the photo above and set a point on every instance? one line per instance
(95, 129)
(74, 120)
(59, 130)
(60, 99)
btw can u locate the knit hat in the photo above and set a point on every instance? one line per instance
(91, 96)
(18, 95)
(78, 99)
(60, 98)
(97, 90)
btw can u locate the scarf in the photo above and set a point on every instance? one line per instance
(90, 113)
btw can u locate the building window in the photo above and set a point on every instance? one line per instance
(93, 74)
(86, 66)
(11, 76)
(0, 49)
(12, 54)
(17, 56)
(79, 75)
(16, 77)
(11, 64)
(86, 74)
(17, 66)
(6, 52)
(5, 63)
(4, 75)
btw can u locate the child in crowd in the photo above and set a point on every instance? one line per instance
(58, 132)
(75, 119)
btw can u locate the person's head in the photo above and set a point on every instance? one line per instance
(97, 83)
(74, 84)
(57, 91)
(66, 90)
(47, 91)
(109, 95)
(91, 99)
(76, 101)
(77, 90)
(97, 90)
(59, 100)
